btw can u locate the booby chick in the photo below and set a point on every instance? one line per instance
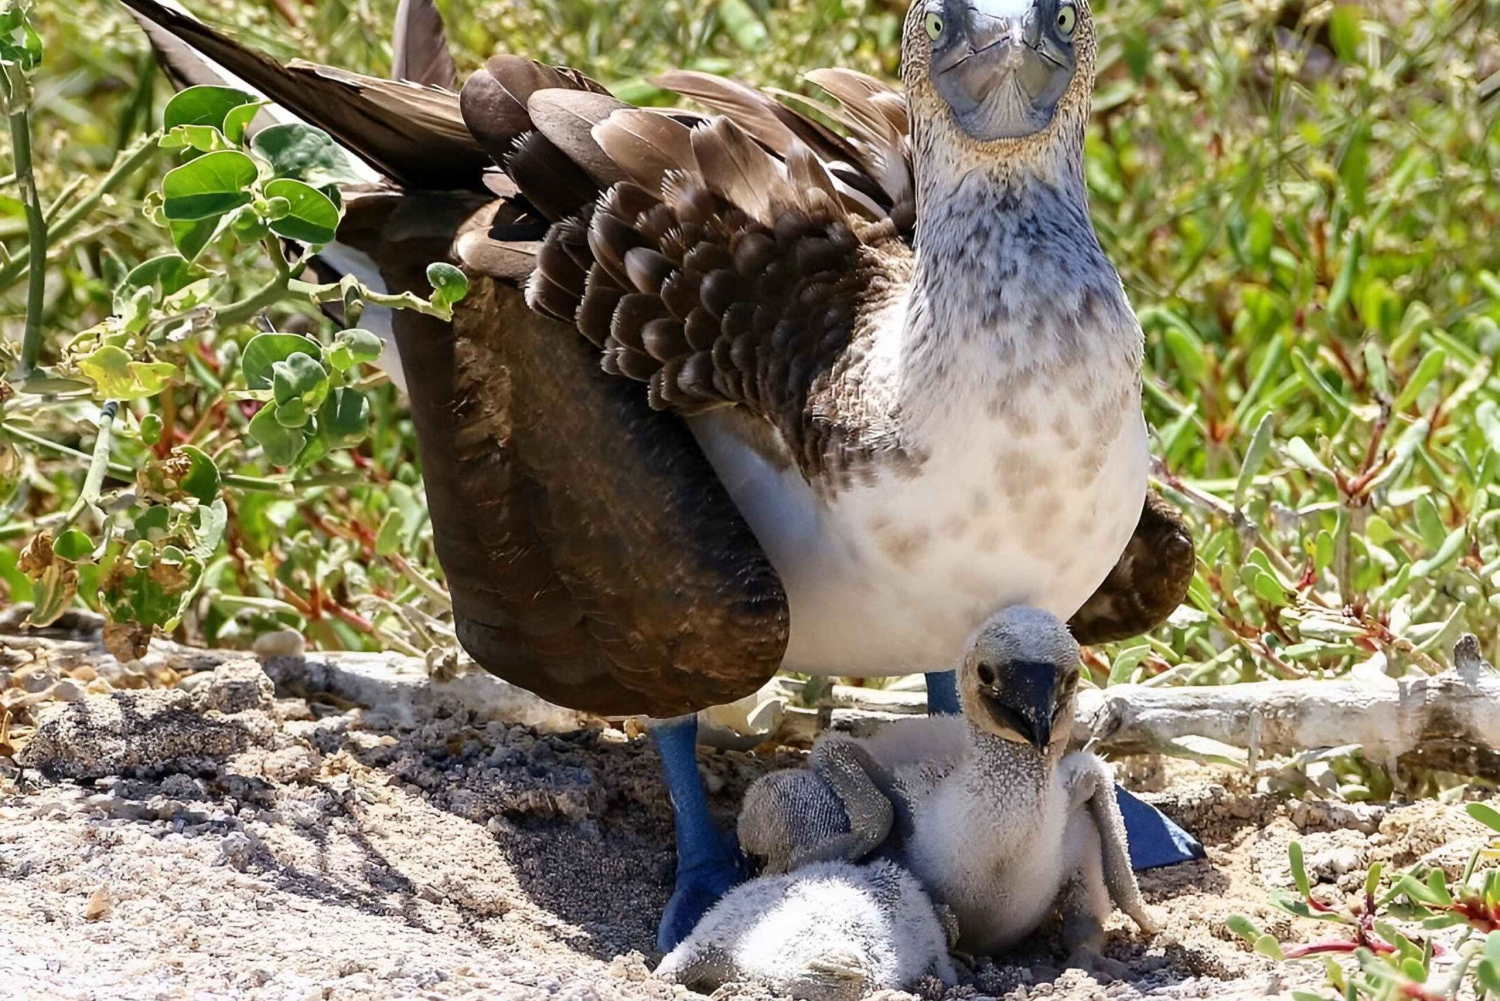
(1019, 828)
(830, 931)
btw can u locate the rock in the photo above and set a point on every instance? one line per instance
(124, 731)
(36, 677)
(281, 643)
(98, 905)
(67, 691)
(235, 687)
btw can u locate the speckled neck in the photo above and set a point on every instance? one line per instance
(1010, 282)
(1007, 775)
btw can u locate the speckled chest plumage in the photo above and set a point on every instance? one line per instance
(1013, 370)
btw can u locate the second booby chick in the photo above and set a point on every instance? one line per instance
(1019, 828)
(830, 931)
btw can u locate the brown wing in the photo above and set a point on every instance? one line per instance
(729, 267)
(1147, 584)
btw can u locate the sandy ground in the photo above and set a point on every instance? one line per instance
(276, 849)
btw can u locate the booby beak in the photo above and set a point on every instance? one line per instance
(1002, 65)
(1022, 700)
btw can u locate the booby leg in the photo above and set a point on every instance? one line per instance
(709, 862)
(1154, 839)
(942, 693)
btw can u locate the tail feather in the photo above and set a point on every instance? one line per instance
(413, 134)
(420, 46)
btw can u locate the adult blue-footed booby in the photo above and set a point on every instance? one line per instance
(891, 382)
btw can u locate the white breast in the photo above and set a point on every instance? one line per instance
(891, 577)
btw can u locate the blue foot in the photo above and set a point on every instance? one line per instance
(709, 862)
(1154, 840)
(942, 693)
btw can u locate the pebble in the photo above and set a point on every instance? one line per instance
(281, 643)
(98, 905)
(67, 691)
(36, 678)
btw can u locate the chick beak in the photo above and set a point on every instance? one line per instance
(1022, 701)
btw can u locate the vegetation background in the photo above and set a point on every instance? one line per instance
(1301, 200)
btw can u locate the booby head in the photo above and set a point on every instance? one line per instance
(1018, 677)
(998, 79)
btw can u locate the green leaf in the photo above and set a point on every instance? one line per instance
(1346, 30)
(117, 377)
(170, 272)
(1487, 971)
(449, 286)
(1372, 878)
(73, 546)
(1489, 817)
(52, 593)
(202, 480)
(1255, 456)
(1243, 927)
(388, 540)
(194, 139)
(305, 153)
(344, 419)
(353, 347)
(190, 238)
(1302, 454)
(1299, 871)
(291, 413)
(265, 350)
(203, 106)
(19, 44)
(743, 25)
(208, 187)
(299, 377)
(153, 523)
(282, 444)
(1268, 946)
(151, 428)
(310, 218)
(238, 120)
(1429, 368)
(1354, 168)
(208, 522)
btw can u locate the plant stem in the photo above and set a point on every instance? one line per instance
(18, 107)
(265, 297)
(98, 463)
(127, 163)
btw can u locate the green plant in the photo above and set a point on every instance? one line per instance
(1392, 936)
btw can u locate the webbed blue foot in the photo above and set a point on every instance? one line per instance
(1154, 839)
(709, 862)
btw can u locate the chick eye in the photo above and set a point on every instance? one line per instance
(986, 675)
(934, 25)
(1067, 19)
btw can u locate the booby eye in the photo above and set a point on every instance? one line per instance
(934, 25)
(986, 675)
(1067, 19)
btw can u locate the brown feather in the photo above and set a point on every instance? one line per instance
(749, 108)
(566, 117)
(736, 168)
(646, 145)
(549, 180)
(419, 47)
(413, 134)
